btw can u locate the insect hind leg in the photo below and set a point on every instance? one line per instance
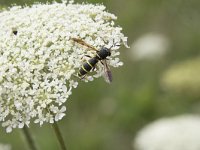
(79, 77)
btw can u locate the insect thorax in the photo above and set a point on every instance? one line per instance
(103, 53)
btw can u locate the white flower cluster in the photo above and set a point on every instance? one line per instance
(183, 77)
(38, 59)
(5, 147)
(176, 133)
(150, 46)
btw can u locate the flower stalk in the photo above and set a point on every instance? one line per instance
(29, 139)
(59, 136)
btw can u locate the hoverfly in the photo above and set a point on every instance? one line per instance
(100, 56)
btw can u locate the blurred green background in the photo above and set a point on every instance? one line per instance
(104, 117)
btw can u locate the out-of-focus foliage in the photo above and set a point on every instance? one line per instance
(1, 8)
(5, 147)
(183, 77)
(104, 117)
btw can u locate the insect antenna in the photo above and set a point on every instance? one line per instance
(115, 44)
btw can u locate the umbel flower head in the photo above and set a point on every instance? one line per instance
(5, 147)
(175, 133)
(150, 46)
(183, 77)
(38, 59)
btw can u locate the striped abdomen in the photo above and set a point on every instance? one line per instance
(87, 66)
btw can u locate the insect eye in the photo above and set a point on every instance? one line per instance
(106, 49)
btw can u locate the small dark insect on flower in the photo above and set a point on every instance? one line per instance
(15, 32)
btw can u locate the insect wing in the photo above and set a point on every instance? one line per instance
(108, 76)
(84, 43)
(107, 72)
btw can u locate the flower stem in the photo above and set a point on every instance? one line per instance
(29, 138)
(59, 136)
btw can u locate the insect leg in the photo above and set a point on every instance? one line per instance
(102, 63)
(81, 78)
(88, 56)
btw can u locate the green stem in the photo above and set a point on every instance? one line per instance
(59, 136)
(29, 138)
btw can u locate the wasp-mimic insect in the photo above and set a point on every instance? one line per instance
(101, 55)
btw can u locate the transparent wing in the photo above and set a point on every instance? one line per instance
(84, 43)
(107, 72)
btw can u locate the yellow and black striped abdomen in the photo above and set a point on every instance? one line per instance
(87, 66)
